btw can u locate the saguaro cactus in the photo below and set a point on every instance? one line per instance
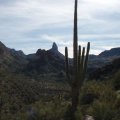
(80, 60)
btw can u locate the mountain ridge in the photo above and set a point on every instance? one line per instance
(48, 61)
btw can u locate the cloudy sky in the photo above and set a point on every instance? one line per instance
(32, 24)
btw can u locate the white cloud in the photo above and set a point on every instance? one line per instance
(54, 19)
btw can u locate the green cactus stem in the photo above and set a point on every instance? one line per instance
(80, 61)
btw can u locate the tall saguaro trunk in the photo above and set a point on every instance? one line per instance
(75, 92)
(80, 60)
(75, 102)
(75, 41)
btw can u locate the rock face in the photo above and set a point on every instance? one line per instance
(54, 47)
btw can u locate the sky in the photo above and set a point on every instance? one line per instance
(28, 25)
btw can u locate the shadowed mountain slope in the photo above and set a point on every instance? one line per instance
(48, 61)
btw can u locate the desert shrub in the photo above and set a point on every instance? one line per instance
(94, 90)
(116, 81)
(54, 110)
(117, 100)
(99, 100)
(117, 116)
(102, 111)
(79, 115)
(91, 91)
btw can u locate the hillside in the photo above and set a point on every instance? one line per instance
(23, 98)
(107, 70)
(114, 52)
(33, 86)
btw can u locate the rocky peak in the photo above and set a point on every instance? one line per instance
(18, 54)
(54, 47)
(1, 44)
(3, 48)
(40, 52)
(54, 51)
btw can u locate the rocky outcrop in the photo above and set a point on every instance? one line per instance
(54, 51)
(46, 61)
(54, 47)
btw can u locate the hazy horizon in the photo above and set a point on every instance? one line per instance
(29, 25)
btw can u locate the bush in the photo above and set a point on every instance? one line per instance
(94, 90)
(99, 100)
(54, 110)
(102, 111)
(116, 81)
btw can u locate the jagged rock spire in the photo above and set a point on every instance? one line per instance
(54, 47)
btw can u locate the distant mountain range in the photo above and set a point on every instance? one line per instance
(48, 61)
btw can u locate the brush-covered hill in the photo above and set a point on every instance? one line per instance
(107, 70)
(11, 60)
(34, 85)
